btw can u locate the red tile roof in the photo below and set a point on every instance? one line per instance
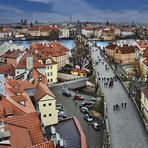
(10, 91)
(19, 137)
(8, 70)
(47, 144)
(19, 98)
(54, 49)
(16, 90)
(111, 46)
(22, 64)
(31, 123)
(126, 49)
(41, 91)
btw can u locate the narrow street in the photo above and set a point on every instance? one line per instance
(125, 124)
(93, 138)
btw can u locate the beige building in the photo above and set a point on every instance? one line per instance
(45, 103)
(144, 104)
(144, 64)
(123, 54)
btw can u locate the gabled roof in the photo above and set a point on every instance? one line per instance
(41, 91)
(31, 123)
(11, 92)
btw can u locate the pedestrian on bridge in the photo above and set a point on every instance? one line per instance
(125, 105)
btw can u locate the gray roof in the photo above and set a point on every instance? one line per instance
(68, 132)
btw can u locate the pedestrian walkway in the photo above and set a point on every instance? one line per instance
(126, 127)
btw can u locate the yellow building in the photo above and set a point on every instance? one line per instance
(108, 34)
(51, 70)
(144, 104)
(79, 72)
(45, 103)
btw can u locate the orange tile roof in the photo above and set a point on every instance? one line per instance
(36, 64)
(31, 123)
(14, 83)
(54, 49)
(19, 98)
(19, 137)
(16, 90)
(47, 144)
(41, 91)
(8, 70)
(12, 91)
(7, 108)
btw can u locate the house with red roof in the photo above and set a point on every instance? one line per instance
(122, 54)
(45, 103)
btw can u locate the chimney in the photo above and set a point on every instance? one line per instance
(29, 62)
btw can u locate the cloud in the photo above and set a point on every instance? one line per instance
(62, 10)
(10, 9)
(40, 1)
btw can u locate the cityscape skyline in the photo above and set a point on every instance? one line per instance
(83, 10)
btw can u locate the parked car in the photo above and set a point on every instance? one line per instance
(88, 118)
(95, 126)
(86, 104)
(67, 93)
(59, 107)
(84, 110)
(78, 97)
(62, 114)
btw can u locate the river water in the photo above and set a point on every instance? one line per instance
(68, 43)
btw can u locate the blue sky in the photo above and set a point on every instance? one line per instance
(84, 10)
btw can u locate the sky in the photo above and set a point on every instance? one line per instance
(83, 10)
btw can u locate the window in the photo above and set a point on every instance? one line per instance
(44, 105)
(51, 80)
(48, 80)
(48, 73)
(51, 73)
(51, 66)
(44, 115)
(50, 115)
(17, 72)
(49, 104)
